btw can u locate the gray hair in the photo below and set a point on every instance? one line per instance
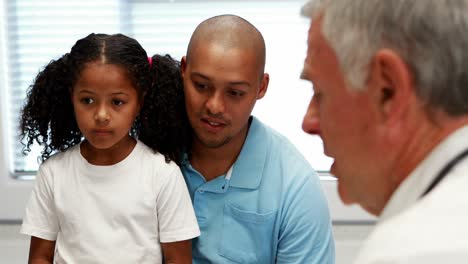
(431, 36)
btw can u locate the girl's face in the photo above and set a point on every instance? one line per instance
(106, 104)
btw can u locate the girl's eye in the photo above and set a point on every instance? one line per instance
(117, 102)
(87, 100)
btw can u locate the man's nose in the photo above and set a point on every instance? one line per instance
(311, 121)
(215, 103)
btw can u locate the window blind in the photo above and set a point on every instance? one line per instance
(39, 31)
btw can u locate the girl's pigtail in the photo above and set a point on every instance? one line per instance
(47, 117)
(165, 126)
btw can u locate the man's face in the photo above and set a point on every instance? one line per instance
(345, 119)
(221, 87)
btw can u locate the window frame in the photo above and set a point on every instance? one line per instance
(13, 193)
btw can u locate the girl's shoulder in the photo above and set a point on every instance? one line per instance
(156, 158)
(63, 157)
(59, 164)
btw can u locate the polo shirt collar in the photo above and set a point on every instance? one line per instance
(248, 168)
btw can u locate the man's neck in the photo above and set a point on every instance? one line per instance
(415, 151)
(419, 142)
(213, 162)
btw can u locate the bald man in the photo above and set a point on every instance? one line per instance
(256, 198)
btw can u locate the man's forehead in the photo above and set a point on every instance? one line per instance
(206, 50)
(315, 35)
(313, 43)
(319, 47)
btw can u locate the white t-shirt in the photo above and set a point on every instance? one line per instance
(428, 230)
(110, 214)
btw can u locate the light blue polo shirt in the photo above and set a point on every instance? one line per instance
(272, 210)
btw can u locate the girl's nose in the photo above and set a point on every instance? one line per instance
(102, 115)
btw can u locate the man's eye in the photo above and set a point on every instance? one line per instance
(236, 93)
(317, 96)
(87, 100)
(117, 102)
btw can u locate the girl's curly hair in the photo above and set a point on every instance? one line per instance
(48, 117)
(163, 115)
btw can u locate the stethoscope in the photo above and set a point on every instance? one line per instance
(445, 171)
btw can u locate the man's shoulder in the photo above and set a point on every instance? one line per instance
(274, 138)
(423, 228)
(415, 235)
(283, 159)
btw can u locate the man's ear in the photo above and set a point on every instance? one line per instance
(392, 85)
(263, 86)
(183, 65)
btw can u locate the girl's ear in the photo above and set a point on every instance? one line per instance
(142, 102)
(70, 93)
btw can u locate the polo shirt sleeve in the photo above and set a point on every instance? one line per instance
(176, 217)
(40, 218)
(306, 234)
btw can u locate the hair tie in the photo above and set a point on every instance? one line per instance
(150, 60)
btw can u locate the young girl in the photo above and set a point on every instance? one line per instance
(106, 196)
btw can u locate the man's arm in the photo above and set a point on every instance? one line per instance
(41, 251)
(306, 234)
(177, 252)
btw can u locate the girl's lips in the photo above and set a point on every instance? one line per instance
(102, 132)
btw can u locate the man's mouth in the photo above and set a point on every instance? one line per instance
(214, 122)
(214, 125)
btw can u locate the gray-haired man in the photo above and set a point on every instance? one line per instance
(390, 102)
